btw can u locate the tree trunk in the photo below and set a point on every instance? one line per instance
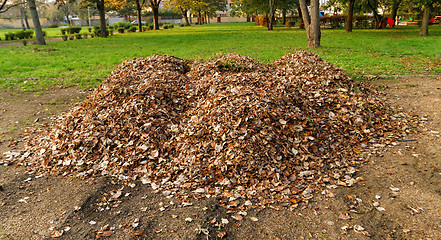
(36, 20)
(312, 22)
(66, 12)
(379, 23)
(349, 20)
(184, 15)
(284, 16)
(191, 21)
(199, 17)
(26, 19)
(395, 6)
(138, 12)
(271, 15)
(101, 10)
(301, 23)
(424, 31)
(155, 11)
(22, 18)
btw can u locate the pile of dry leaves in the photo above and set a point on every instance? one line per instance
(227, 127)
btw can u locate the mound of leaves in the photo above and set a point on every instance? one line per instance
(227, 127)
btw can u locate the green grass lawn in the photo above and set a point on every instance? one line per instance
(86, 62)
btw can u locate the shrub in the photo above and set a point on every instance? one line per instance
(73, 30)
(125, 25)
(10, 36)
(85, 36)
(262, 20)
(25, 42)
(20, 34)
(24, 34)
(97, 31)
(182, 25)
(63, 31)
(132, 29)
(290, 24)
(95, 28)
(29, 33)
(144, 28)
(78, 36)
(90, 29)
(167, 26)
(44, 33)
(71, 37)
(64, 37)
(150, 26)
(121, 30)
(69, 30)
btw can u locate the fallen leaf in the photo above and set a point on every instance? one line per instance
(254, 219)
(137, 233)
(56, 233)
(107, 233)
(221, 234)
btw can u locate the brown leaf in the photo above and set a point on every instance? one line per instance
(107, 233)
(221, 234)
(137, 233)
(237, 217)
(56, 233)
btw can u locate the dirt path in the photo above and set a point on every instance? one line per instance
(398, 196)
(7, 44)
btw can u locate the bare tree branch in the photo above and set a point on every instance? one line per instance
(4, 8)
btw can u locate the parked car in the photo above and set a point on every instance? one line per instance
(135, 22)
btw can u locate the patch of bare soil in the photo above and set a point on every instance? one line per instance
(398, 199)
(7, 44)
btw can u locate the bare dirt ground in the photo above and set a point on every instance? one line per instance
(7, 44)
(400, 196)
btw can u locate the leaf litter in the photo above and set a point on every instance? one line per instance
(229, 127)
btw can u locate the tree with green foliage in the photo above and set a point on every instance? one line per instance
(267, 7)
(378, 18)
(394, 8)
(286, 5)
(100, 5)
(126, 7)
(427, 6)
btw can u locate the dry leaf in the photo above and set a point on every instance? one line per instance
(254, 219)
(221, 234)
(160, 116)
(137, 233)
(56, 233)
